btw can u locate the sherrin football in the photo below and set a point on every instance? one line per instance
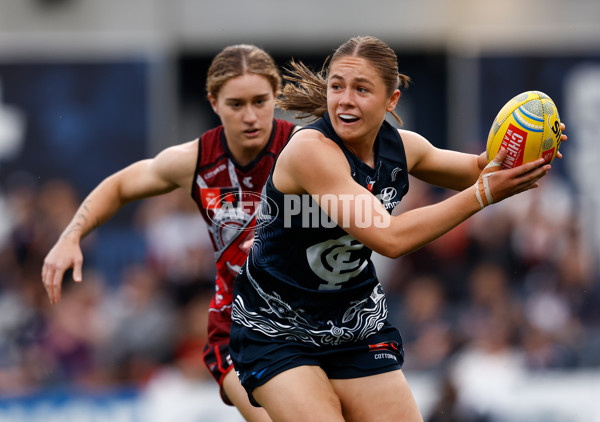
(529, 127)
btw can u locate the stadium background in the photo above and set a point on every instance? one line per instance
(500, 317)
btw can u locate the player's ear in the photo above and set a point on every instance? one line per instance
(393, 101)
(213, 102)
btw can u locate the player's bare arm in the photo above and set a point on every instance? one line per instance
(445, 168)
(171, 168)
(326, 172)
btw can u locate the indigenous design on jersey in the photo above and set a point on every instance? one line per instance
(359, 320)
(227, 195)
(329, 294)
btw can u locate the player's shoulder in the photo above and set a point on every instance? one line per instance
(308, 158)
(312, 138)
(414, 143)
(310, 148)
(177, 162)
(177, 159)
(184, 149)
(410, 135)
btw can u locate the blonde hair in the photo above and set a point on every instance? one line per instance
(237, 60)
(306, 94)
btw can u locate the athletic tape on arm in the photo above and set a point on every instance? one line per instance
(482, 185)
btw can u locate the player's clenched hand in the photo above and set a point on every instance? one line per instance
(65, 254)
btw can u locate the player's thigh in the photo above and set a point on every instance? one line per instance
(300, 394)
(238, 396)
(382, 397)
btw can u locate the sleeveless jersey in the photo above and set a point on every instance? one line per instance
(227, 195)
(306, 278)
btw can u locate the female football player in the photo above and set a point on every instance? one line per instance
(310, 338)
(222, 169)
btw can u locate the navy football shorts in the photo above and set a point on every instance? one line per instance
(258, 358)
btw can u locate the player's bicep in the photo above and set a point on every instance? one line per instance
(175, 166)
(138, 180)
(440, 167)
(170, 169)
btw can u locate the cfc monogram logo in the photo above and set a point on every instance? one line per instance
(332, 261)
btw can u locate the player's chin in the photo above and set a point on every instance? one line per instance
(348, 128)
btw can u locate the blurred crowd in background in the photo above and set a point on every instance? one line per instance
(514, 288)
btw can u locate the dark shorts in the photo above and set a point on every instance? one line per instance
(216, 353)
(218, 361)
(258, 358)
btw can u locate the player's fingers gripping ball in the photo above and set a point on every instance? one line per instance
(482, 185)
(528, 126)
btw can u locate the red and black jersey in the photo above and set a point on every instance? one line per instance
(227, 195)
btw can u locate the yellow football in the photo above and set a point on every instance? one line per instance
(528, 126)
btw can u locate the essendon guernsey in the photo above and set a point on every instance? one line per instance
(227, 195)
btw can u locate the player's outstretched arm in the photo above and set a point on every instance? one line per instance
(170, 169)
(326, 176)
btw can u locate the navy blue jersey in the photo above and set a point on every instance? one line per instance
(307, 279)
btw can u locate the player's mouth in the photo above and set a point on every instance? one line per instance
(347, 118)
(251, 133)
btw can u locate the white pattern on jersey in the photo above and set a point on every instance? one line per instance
(360, 320)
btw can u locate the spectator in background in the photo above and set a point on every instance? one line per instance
(425, 324)
(488, 322)
(178, 246)
(227, 165)
(140, 322)
(490, 303)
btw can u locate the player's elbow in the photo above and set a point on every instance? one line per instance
(391, 248)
